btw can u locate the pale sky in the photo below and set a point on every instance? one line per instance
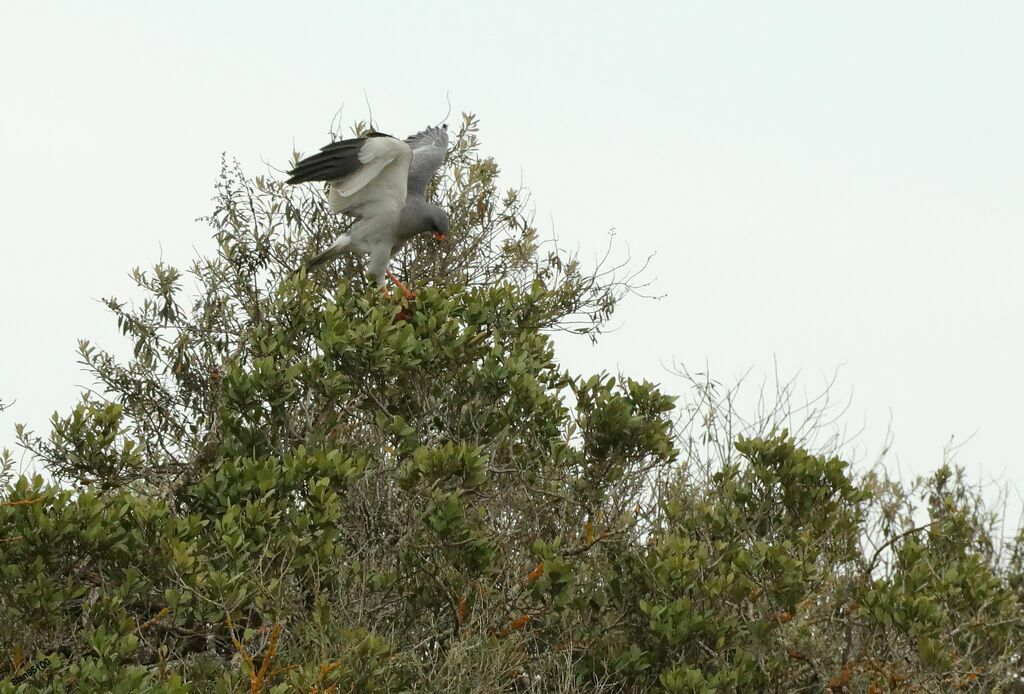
(824, 184)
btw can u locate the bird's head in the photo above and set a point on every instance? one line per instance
(437, 222)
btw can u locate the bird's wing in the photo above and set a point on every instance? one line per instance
(334, 161)
(428, 149)
(367, 175)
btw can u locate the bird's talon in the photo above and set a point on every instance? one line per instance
(406, 292)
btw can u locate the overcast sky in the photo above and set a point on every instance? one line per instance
(824, 184)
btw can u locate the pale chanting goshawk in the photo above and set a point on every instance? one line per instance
(380, 181)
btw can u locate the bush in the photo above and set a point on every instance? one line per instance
(297, 484)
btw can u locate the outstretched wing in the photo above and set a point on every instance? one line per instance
(428, 149)
(335, 161)
(368, 175)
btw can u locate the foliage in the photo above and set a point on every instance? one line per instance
(298, 484)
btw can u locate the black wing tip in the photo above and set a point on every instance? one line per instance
(325, 165)
(297, 175)
(304, 175)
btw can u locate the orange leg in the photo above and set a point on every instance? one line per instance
(405, 291)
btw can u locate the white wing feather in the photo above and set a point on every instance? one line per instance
(380, 184)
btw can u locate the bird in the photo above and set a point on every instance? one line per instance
(381, 182)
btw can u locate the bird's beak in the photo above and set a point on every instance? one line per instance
(439, 236)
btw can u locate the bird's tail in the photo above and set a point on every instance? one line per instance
(335, 250)
(321, 258)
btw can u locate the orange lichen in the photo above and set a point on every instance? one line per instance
(17, 658)
(520, 622)
(257, 678)
(537, 572)
(23, 502)
(843, 678)
(156, 618)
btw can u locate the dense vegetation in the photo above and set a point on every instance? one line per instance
(298, 484)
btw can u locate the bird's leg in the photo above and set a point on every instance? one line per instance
(405, 291)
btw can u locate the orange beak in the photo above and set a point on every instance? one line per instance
(439, 236)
